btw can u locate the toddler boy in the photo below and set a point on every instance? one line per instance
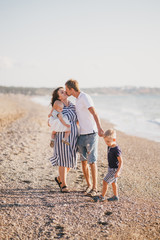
(114, 166)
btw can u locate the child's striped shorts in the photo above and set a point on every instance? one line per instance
(110, 177)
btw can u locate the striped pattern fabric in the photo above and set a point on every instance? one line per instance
(110, 177)
(64, 155)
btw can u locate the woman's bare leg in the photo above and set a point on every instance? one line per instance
(63, 175)
(94, 175)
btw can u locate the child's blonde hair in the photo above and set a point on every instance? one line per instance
(58, 103)
(111, 133)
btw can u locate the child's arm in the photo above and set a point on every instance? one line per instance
(120, 160)
(62, 120)
(50, 114)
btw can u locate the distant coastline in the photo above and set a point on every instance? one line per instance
(103, 90)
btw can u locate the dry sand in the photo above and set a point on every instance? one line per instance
(32, 207)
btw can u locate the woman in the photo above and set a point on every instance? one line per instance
(65, 155)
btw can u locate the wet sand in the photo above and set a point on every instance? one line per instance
(32, 207)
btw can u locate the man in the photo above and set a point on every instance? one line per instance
(88, 140)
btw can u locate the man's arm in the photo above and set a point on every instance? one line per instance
(97, 120)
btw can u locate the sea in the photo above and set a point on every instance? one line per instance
(136, 115)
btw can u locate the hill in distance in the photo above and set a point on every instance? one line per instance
(104, 90)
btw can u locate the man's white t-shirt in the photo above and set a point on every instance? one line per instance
(86, 120)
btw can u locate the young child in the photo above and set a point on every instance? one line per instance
(58, 122)
(114, 166)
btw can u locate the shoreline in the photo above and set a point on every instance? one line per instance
(112, 125)
(44, 100)
(32, 207)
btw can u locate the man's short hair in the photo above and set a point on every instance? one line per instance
(73, 84)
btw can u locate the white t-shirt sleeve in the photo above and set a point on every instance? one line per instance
(88, 101)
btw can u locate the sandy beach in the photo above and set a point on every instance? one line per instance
(32, 207)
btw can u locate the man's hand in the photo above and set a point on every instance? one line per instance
(100, 132)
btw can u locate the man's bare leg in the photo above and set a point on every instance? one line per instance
(94, 175)
(85, 170)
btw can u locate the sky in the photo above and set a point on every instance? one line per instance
(100, 43)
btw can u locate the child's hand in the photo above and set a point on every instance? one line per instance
(117, 174)
(49, 115)
(68, 126)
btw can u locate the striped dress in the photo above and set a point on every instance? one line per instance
(65, 155)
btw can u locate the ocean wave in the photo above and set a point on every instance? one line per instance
(156, 121)
(43, 100)
(131, 111)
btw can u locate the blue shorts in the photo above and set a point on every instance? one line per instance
(88, 147)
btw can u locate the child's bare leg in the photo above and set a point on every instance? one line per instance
(66, 135)
(53, 134)
(114, 187)
(101, 198)
(52, 139)
(104, 189)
